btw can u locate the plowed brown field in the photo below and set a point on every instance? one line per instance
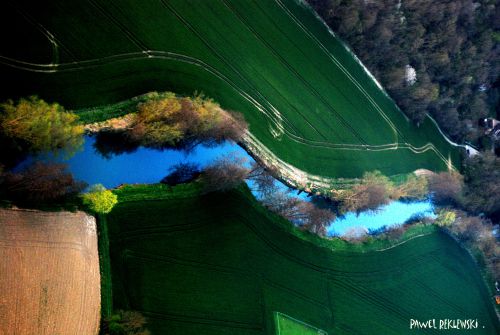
(49, 273)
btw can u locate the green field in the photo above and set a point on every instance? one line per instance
(286, 325)
(303, 93)
(222, 264)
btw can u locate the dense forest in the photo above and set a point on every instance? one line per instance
(436, 57)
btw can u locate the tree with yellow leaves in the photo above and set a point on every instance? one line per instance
(32, 125)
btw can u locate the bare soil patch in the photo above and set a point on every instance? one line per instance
(49, 273)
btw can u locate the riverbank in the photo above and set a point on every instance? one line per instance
(258, 263)
(120, 116)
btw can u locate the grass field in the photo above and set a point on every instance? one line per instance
(221, 264)
(49, 273)
(305, 96)
(286, 325)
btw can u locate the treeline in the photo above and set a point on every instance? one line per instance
(168, 121)
(436, 57)
(368, 193)
(32, 127)
(165, 120)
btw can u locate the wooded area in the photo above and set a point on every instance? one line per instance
(436, 57)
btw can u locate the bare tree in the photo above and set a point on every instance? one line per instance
(224, 173)
(316, 219)
(373, 191)
(468, 229)
(231, 126)
(446, 188)
(395, 233)
(302, 213)
(355, 234)
(41, 182)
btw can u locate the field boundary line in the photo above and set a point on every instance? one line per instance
(45, 68)
(355, 82)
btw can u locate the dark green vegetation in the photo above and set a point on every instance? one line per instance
(303, 94)
(125, 323)
(105, 268)
(221, 264)
(482, 188)
(452, 45)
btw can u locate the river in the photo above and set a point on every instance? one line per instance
(146, 166)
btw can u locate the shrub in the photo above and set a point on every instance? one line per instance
(445, 218)
(99, 199)
(125, 323)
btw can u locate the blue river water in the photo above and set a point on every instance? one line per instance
(146, 165)
(394, 213)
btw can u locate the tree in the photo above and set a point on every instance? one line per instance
(32, 125)
(155, 123)
(224, 173)
(373, 191)
(316, 219)
(414, 187)
(167, 120)
(99, 199)
(482, 184)
(453, 46)
(446, 188)
(41, 182)
(467, 228)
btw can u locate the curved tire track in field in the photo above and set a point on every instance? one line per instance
(342, 279)
(152, 54)
(270, 111)
(353, 80)
(55, 43)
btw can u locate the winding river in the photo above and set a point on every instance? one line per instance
(146, 165)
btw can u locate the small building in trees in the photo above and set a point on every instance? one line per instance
(471, 151)
(492, 127)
